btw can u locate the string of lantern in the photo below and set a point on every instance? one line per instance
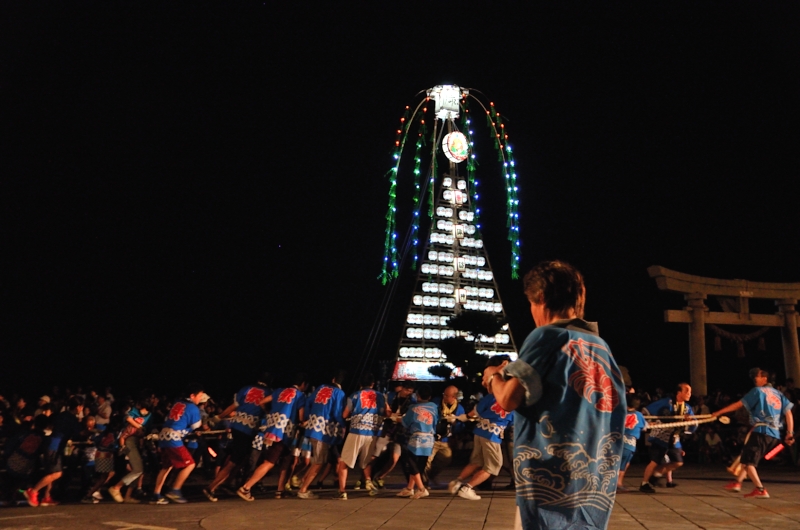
(390, 267)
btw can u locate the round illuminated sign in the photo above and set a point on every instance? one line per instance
(455, 147)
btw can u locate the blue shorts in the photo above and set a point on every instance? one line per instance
(627, 456)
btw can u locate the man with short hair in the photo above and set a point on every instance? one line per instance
(183, 418)
(365, 410)
(248, 408)
(486, 459)
(419, 423)
(569, 398)
(766, 405)
(666, 452)
(404, 397)
(325, 426)
(286, 415)
(449, 409)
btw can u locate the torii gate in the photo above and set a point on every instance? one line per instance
(695, 289)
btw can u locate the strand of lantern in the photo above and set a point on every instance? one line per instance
(389, 268)
(432, 176)
(497, 131)
(466, 122)
(418, 192)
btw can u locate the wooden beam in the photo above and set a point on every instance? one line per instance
(684, 317)
(669, 280)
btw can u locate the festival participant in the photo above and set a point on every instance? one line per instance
(666, 452)
(66, 427)
(389, 444)
(570, 401)
(183, 418)
(365, 409)
(419, 423)
(136, 421)
(323, 429)
(634, 424)
(449, 409)
(487, 453)
(766, 406)
(248, 406)
(22, 453)
(286, 415)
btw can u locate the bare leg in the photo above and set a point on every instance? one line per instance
(341, 471)
(183, 474)
(258, 474)
(311, 473)
(325, 472)
(479, 477)
(47, 480)
(467, 472)
(753, 474)
(222, 476)
(161, 478)
(648, 471)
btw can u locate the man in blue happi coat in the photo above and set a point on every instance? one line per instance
(569, 399)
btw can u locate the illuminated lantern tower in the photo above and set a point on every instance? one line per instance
(453, 269)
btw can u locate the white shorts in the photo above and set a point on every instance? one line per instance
(357, 448)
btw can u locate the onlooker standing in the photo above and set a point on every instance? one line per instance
(103, 415)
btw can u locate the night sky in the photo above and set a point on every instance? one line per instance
(199, 192)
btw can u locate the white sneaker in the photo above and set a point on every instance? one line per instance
(307, 495)
(97, 495)
(405, 492)
(420, 494)
(466, 492)
(369, 486)
(454, 486)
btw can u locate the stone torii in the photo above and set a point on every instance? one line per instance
(695, 290)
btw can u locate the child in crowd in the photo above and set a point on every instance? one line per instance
(634, 425)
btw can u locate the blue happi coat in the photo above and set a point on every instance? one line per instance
(569, 432)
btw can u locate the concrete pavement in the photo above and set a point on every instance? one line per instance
(699, 502)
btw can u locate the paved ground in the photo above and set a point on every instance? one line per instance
(699, 502)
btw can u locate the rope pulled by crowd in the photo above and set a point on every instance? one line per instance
(704, 418)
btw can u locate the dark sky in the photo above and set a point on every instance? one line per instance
(199, 192)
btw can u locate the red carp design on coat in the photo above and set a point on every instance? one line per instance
(772, 398)
(368, 399)
(591, 375)
(424, 416)
(177, 411)
(254, 396)
(287, 395)
(631, 421)
(497, 409)
(324, 395)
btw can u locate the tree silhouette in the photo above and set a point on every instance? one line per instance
(461, 352)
